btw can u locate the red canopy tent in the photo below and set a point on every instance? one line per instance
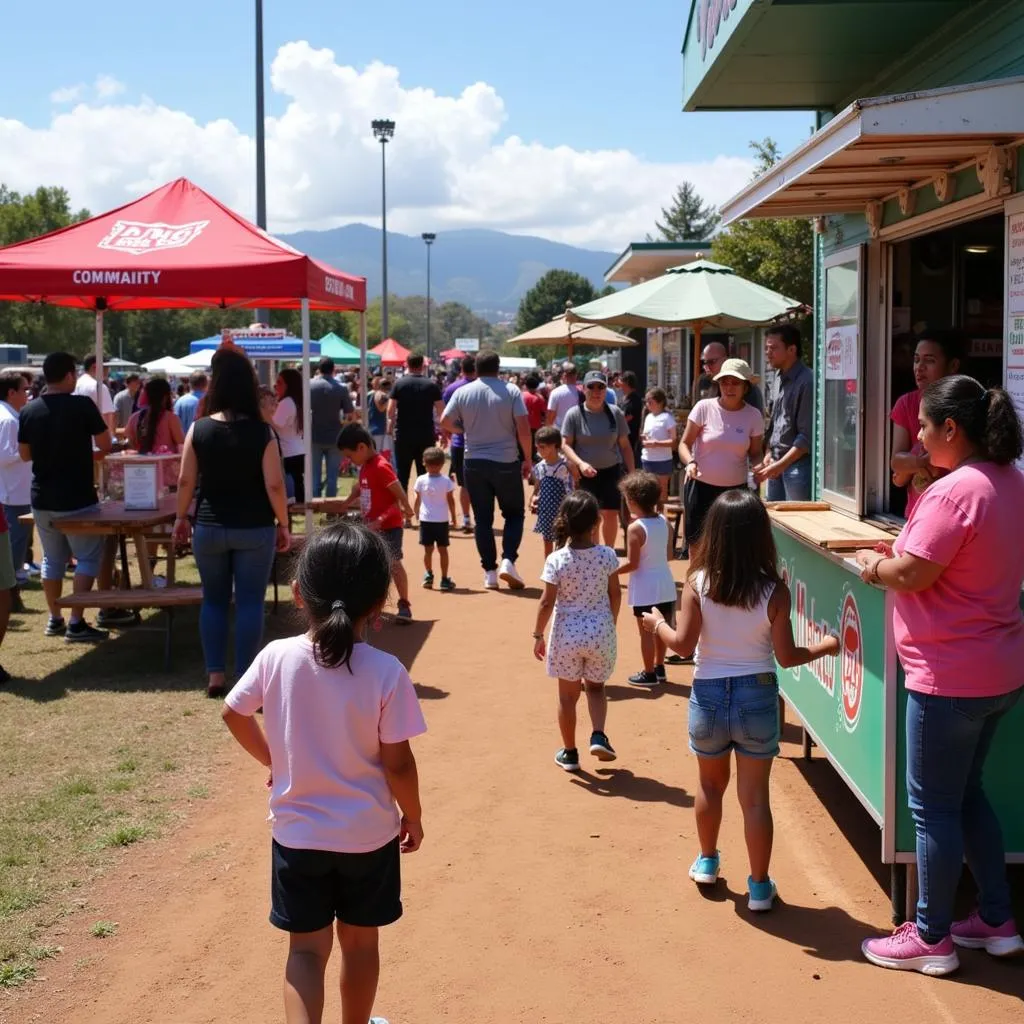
(451, 353)
(177, 247)
(391, 353)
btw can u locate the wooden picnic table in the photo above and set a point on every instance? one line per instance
(115, 521)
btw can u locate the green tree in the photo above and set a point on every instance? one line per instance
(776, 253)
(688, 218)
(547, 298)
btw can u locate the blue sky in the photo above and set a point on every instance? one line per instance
(588, 76)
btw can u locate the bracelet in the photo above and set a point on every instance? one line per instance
(875, 578)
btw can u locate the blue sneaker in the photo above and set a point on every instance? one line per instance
(760, 895)
(704, 870)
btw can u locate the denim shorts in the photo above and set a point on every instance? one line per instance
(739, 713)
(659, 467)
(58, 546)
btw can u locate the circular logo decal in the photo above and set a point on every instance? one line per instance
(852, 661)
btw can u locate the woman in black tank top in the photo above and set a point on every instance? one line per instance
(232, 463)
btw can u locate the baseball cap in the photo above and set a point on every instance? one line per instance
(738, 368)
(594, 377)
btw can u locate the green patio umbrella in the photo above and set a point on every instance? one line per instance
(343, 353)
(697, 295)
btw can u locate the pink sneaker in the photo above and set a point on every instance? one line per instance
(973, 933)
(905, 950)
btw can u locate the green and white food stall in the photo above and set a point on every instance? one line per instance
(914, 180)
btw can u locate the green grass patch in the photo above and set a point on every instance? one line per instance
(14, 974)
(198, 792)
(103, 929)
(125, 835)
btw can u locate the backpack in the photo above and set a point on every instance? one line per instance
(581, 401)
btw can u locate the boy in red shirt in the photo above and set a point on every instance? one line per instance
(382, 501)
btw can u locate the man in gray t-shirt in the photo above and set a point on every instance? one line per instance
(492, 416)
(329, 403)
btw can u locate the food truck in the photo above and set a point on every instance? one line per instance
(914, 179)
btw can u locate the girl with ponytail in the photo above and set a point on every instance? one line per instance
(956, 570)
(338, 715)
(581, 587)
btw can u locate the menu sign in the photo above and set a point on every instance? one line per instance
(1015, 265)
(841, 352)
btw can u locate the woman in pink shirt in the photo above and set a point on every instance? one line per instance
(723, 437)
(154, 429)
(338, 715)
(938, 354)
(957, 570)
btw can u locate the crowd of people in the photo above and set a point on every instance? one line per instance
(344, 789)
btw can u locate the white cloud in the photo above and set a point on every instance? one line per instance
(107, 87)
(67, 93)
(449, 164)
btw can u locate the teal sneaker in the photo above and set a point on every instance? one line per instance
(760, 895)
(704, 870)
(428, 580)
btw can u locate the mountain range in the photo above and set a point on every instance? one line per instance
(489, 271)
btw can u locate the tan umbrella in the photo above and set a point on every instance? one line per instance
(559, 331)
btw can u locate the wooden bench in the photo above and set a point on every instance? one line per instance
(674, 512)
(167, 599)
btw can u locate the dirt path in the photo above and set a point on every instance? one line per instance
(537, 897)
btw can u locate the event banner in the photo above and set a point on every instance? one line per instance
(842, 698)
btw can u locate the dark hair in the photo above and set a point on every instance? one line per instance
(131, 377)
(197, 380)
(414, 362)
(736, 551)
(343, 575)
(577, 516)
(658, 394)
(89, 363)
(532, 381)
(629, 379)
(433, 456)
(790, 336)
(293, 390)
(548, 435)
(641, 488)
(10, 382)
(954, 343)
(488, 362)
(326, 366)
(57, 365)
(158, 399)
(468, 364)
(233, 385)
(987, 418)
(352, 436)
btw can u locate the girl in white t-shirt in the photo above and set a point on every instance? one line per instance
(658, 438)
(337, 719)
(734, 611)
(581, 587)
(288, 424)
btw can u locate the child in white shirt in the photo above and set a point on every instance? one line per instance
(434, 506)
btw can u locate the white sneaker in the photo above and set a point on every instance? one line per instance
(491, 579)
(510, 575)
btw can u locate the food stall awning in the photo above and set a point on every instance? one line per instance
(879, 146)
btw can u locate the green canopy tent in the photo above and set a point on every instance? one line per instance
(697, 295)
(343, 353)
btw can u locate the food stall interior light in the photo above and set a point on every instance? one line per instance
(978, 250)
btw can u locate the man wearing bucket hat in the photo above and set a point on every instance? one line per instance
(724, 436)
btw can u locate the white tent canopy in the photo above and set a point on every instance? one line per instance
(169, 365)
(515, 364)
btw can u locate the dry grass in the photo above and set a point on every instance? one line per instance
(102, 750)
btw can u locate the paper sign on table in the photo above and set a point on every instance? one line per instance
(141, 486)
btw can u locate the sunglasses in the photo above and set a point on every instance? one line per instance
(596, 387)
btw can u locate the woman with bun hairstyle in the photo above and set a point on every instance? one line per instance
(956, 570)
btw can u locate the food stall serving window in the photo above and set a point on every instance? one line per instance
(844, 385)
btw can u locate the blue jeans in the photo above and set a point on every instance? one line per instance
(20, 535)
(333, 456)
(948, 740)
(488, 482)
(793, 485)
(243, 558)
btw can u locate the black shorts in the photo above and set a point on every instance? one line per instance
(667, 609)
(393, 539)
(310, 888)
(434, 533)
(458, 463)
(605, 487)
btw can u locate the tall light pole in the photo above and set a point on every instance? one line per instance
(383, 132)
(263, 316)
(428, 237)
